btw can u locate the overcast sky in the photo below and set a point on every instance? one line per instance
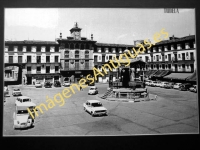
(108, 25)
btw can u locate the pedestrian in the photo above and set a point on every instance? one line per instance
(81, 88)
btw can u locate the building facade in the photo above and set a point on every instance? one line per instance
(40, 60)
(74, 57)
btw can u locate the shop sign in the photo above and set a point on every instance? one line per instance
(77, 72)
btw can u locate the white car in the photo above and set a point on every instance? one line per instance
(158, 84)
(147, 82)
(94, 107)
(66, 83)
(21, 116)
(177, 85)
(163, 84)
(22, 99)
(93, 90)
(38, 84)
(16, 92)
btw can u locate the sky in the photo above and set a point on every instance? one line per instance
(108, 25)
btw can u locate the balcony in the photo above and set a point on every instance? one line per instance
(78, 68)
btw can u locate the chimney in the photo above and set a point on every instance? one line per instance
(91, 36)
(61, 36)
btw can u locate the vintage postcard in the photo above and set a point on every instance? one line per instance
(100, 72)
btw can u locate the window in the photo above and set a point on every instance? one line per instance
(38, 68)
(56, 58)
(76, 54)
(19, 59)
(86, 64)
(28, 68)
(48, 49)
(38, 59)
(10, 48)
(99, 57)
(10, 59)
(66, 54)
(187, 54)
(47, 58)
(86, 54)
(165, 56)
(56, 68)
(154, 57)
(47, 69)
(38, 49)
(179, 55)
(110, 57)
(95, 59)
(28, 59)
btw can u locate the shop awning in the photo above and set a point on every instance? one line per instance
(163, 73)
(179, 76)
(193, 77)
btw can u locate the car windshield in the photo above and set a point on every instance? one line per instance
(26, 100)
(37, 82)
(22, 111)
(16, 89)
(92, 88)
(96, 104)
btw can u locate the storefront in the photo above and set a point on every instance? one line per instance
(51, 77)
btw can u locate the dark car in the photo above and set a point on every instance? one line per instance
(47, 84)
(193, 88)
(185, 87)
(57, 84)
(169, 85)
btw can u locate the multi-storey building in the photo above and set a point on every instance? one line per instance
(75, 56)
(40, 60)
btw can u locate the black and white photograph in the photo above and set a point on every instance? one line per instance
(100, 72)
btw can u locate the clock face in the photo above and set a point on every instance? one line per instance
(77, 33)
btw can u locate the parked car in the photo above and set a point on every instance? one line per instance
(153, 83)
(66, 83)
(93, 90)
(185, 87)
(22, 99)
(6, 91)
(158, 84)
(21, 116)
(177, 85)
(47, 84)
(57, 84)
(162, 85)
(169, 85)
(193, 88)
(94, 107)
(16, 92)
(38, 84)
(148, 82)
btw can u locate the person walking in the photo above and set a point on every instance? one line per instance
(81, 88)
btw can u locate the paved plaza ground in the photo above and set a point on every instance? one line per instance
(174, 112)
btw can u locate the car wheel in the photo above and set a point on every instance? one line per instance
(92, 114)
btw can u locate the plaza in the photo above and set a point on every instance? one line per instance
(173, 112)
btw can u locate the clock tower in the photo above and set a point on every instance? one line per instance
(76, 32)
